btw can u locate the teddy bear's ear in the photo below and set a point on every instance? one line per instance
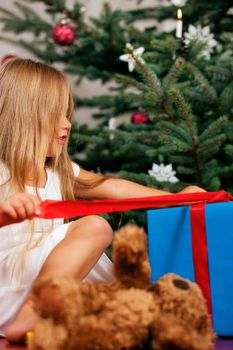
(130, 258)
(170, 282)
(180, 283)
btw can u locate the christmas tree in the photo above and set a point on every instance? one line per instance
(177, 87)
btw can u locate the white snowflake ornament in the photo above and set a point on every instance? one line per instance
(179, 3)
(202, 34)
(163, 173)
(129, 57)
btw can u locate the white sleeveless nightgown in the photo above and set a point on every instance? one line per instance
(15, 285)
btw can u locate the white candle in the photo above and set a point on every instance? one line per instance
(179, 24)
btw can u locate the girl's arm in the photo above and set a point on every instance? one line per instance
(117, 188)
(18, 207)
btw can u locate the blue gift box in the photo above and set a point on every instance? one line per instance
(170, 250)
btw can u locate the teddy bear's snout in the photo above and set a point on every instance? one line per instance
(181, 284)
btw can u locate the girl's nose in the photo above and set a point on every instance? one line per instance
(66, 124)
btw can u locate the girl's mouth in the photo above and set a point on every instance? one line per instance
(62, 139)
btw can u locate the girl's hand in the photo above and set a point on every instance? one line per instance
(19, 207)
(192, 189)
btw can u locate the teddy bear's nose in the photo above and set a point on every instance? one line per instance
(180, 284)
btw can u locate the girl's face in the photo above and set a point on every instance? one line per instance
(59, 139)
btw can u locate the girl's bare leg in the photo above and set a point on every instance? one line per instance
(74, 256)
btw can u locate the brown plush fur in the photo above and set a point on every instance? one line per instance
(125, 314)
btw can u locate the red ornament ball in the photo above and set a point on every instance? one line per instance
(63, 34)
(7, 58)
(139, 118)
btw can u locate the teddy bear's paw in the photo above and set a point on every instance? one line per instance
(47, 335)
(57, 296)
(130, 258)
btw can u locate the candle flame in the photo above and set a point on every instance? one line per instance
(179, 14)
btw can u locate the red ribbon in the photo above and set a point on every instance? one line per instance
(200, 251)
(51, 209)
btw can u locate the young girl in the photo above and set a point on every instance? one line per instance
(35, 119)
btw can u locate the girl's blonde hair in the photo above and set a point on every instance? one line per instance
(32, 96)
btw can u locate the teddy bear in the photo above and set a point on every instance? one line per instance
(128, 313)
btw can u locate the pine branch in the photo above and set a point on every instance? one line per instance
(213, 129)
(185, 171)
(54, 5)
(141, 178)
(226, 98)
(229, 151)
(104, 101)
(208, 153)
(137, 35)
(181, 159)
(202, 82)
(136, 136)
(182, 86)
(179, 131)
(9, 14)
(152, 81)
(143, 13)
(214, 141)
(167, 111)
(195, 95)
(138, 100)
(221, 73)
(213, 184)
(228, 130)
(132, 82)
(96, 140)
(213, 168)
(149, 75)
(29, 21)
(151, 98)
(130, 148)
(185, 112)
(227, 169)
(169, 44)
(177, 143)
(164, 149)
(75, 16)
(195, 49)
(172, 74)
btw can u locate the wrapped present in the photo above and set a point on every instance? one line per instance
(197, 243)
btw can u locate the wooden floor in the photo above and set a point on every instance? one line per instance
(221, 344)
